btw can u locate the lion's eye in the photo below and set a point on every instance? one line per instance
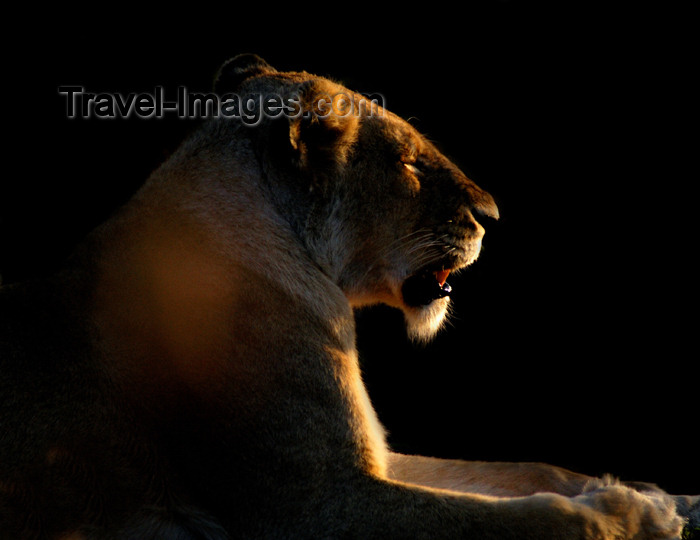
(411, 167)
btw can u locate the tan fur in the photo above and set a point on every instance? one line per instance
(499, 479)
(192, 373)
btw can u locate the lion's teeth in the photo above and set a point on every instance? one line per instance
(441, 276)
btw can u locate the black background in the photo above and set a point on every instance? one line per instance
(573, 340)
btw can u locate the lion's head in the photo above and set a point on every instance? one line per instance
(381, 211)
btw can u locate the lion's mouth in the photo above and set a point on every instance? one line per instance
(425, 287)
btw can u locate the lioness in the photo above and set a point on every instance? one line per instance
(192, 372)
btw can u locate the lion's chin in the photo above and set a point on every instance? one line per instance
(424, 322)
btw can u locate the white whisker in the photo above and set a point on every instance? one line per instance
(407, 244)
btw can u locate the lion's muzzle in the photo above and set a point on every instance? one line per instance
(425, 287)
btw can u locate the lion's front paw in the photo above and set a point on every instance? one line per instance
(634, 515)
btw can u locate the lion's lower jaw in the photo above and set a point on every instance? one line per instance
(424, 322)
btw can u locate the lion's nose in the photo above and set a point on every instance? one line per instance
(481, 202)
(474, 204)
(478, 201)
(484, 205)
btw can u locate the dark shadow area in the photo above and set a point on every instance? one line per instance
(569, 344)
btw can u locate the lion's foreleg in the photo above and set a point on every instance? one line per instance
(498, 479)
(387, 509)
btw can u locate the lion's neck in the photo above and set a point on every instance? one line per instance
(202, 292)
(172, 272)
(178, 307)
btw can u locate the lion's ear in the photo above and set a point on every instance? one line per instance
(236, 70)
(326, 126)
